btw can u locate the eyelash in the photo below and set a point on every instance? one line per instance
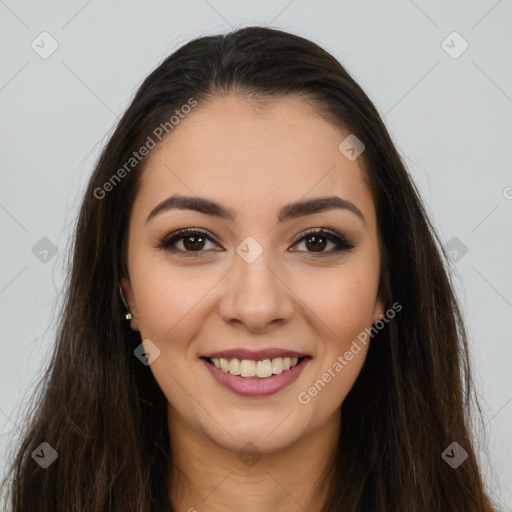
(342, 244)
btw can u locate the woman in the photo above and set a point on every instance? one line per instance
(258, 312)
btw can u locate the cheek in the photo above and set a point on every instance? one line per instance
(169, 299)
(343, 301)
(343, 308)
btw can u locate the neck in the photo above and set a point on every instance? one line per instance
(206, 476)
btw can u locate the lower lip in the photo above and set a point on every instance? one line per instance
(255, 386)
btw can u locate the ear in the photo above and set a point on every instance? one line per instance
(130, 303)
(378, 310)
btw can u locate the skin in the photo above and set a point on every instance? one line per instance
(253, 158)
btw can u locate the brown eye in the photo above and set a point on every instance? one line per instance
(316, 241)
(193, 242)
(188, 242)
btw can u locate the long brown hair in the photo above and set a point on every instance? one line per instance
(102, 410)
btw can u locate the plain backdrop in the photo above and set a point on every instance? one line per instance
(439, 73)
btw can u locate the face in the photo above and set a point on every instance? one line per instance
(259, 278)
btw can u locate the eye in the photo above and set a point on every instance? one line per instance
(188, 242)
(318, 239)
(193, 241)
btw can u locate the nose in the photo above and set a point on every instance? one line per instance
(255, 295)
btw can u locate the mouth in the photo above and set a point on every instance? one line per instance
(256, 378)
(252, 368)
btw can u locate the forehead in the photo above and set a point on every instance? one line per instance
(248, 153)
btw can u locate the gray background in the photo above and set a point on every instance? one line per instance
(450, 118)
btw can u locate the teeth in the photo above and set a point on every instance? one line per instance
(261, 369)
(234, 367)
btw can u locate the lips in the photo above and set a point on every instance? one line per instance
(255, 387)
(254, 355)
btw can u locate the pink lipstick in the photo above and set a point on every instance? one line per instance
(256, 386)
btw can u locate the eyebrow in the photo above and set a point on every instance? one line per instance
(287, 212)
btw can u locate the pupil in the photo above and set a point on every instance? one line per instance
(196, 244)
(316, 242)
(318, 246)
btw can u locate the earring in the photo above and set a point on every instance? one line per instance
(128, 316)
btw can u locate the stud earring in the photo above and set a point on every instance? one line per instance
(128, 315)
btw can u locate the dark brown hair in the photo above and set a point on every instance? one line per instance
(103, 411)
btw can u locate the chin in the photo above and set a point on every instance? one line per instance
(266, 436)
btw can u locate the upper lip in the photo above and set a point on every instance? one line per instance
(254, 355)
